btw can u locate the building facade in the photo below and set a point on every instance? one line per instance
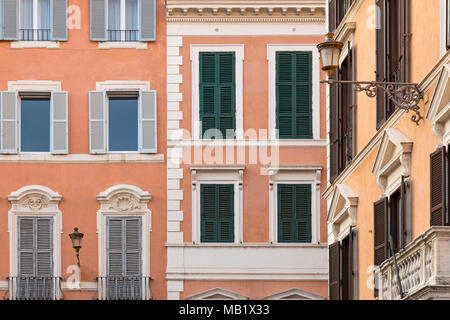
(83, 140)
(388, 185)
(246, 150)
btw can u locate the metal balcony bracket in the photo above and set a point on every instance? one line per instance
(403, 95)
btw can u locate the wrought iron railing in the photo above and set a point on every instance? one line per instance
(124, 288)
(123, 35)
(34, 288)
(35, 34)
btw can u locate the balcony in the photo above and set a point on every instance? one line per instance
(124, 288)
(35, 34)
(34, 288)
(424, 269)
(123, 35)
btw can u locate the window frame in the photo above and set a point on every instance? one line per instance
(35, 22)
(238, 50)
(123, 22)
(272, 49)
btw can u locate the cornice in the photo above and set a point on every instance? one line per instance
(308, 11)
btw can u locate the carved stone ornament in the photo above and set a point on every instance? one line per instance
(124, 202)
(35, 202)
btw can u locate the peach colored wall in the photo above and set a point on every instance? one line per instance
(425, 53)
(255, 290)
(78, 64)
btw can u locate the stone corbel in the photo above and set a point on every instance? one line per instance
(405, 158)
(241, 179)
(335, 230)
(353, 209)
(382, 182)
(439, 131)
(194, 179)
(271, 174)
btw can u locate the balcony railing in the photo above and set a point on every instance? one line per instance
(35, 34)
(124, 288)
(123, 35)
(34, 288)
(423, 268)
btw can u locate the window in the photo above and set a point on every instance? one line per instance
(392, 51)
(390, 226)
(35, 20)
(34, 122)
(123, 20)
(294, 213)
(439, 187)
(217, 94)
(336, 12)
(123, 251)
(342, 118)
(123, 121)
(35, 258)
(294, 95)
(342, 260)
(217, 212)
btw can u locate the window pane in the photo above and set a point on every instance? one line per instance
(123, 124)
(44, 20)
(114, 20)
(131, 20)
(26, 19)
(35, 125)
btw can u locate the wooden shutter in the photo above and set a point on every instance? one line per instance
(294, 95)
(148, 126)
(294, 213)
(98, 20)
(217, 91)
(403, 214)
(217, 213)
(332, 19)
(26, 247)
(447, 19)
(380, 215)
(59, 19)
(115, 247)
(133, 246)
(60, 143)
(8, 123)
(437, 187)
(381, 75)
(334, 261)
(351, 262)
(351, 121)
(405, 40)
(148, 20)
(97, 121)
(334, 130)
(10, 19)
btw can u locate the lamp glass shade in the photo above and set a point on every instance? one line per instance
(76, 238)
(329, 52)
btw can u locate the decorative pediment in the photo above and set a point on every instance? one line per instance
(218, 294)
(294, 294)
(34, 198)
(344, 203)
(124, 198)
(439, 111)
(393, 159)
(246, 11)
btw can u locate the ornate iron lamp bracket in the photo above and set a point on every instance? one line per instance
(404, 96)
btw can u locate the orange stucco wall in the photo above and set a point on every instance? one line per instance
(78, 64)
(425, 54)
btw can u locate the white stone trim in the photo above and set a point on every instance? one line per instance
(298, 174)
(439, 111)
(443, 27)
(272, 49)
(217, 294)
(34, 85)
(217, 175)
(34, 44)
(124, 200)
(250, 143)
(122, 45)
(342, 212)
(122, 85)
(81, 158)
(294, 294)
(239, 74)
(45, 203)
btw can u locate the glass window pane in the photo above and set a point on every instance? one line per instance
(35, 125)
(123, 124)
(43, 32)
(26, 20)
(114, 20)
(131, 20)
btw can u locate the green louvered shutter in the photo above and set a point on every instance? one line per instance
(294, 95)
(217, 92)
(294, 213)
(217, 213)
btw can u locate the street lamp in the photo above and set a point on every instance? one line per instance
(76, 238)
(403, 95)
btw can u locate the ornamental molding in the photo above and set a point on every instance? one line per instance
(124, 202)
(35, 202)
(344, 205)
(217, 294)
(124, 198)
(294, 294)
(34, 198)
(309, 11)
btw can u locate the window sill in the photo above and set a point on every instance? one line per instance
(34, 44)
(122, 45)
